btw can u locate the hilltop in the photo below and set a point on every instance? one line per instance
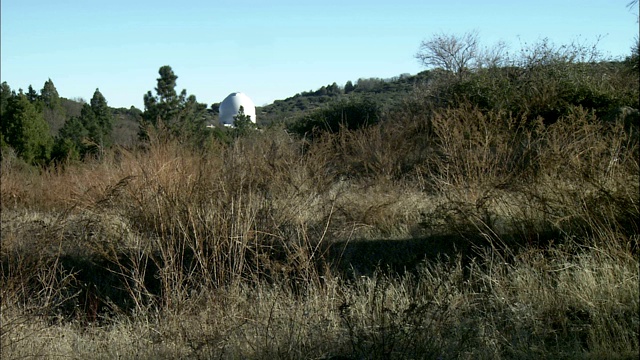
(386, 92)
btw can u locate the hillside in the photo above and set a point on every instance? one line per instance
(385, 92)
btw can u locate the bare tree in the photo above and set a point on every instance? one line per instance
(632, 5)
(492, 56)
(455, 53)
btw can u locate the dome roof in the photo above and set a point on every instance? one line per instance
(231, 105)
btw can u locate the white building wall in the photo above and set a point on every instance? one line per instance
(231, 105)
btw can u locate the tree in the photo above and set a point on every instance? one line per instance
(454, 53)
(100, 131)
(192, 116)
(5, 95)
(32, 95)
(165, 105)
(49, 95)
(242, 123)
(347, 114)
(333, 89)
(88, 133)
(69, 144)
(348, 87)
(51, 105)
(23, 128)
(176, 114)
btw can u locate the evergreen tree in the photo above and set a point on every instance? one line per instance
(49, 95)
(32, 95)
(242, 123)
(100, 131)
(69, 143)
(348, 87)
(333, 89)
(176, 114)
(5, 95)
(164, 106)
(54, 113)
(74, 131)
(193, 115)
(24, 129)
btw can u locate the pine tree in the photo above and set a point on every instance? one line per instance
(176, 114)
(49, 95)
(165, 105)
(32, 95)
(24, 129)
(5, 95)
(69, 144)
(103, 118)
(74, 130)
(242, 123)
(348, 87)
(50, 103)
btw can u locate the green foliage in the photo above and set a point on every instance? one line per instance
(5, 95)
(387, 93)
(163, 106)
(24, 129)
(65, 149)
(348, 87)
(351, 114)
(51, 104)
(242, 123)
(74, 129)
(543, 81)
(49, 95)
(89, 133)
(32, 95)
(100, 129)
(171, 114)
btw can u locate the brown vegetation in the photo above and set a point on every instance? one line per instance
(461, 233)
(493, 215)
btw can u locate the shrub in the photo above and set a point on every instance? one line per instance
(345, 114)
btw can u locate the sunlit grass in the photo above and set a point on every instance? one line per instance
(274, 247)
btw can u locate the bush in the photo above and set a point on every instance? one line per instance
(345, 114)
(544, 81)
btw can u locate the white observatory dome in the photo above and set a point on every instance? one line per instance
(231, 105)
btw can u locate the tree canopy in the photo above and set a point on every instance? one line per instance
(176, 115)
(24, 129)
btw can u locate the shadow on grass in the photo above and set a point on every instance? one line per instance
(364, 257)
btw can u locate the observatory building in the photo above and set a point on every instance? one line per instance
(230, 107)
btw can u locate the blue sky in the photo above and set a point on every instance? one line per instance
(269, 49)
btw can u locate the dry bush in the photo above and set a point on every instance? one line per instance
(228, 251)
(186, 220)
(562, 303)
(588, 178)
(565, 302)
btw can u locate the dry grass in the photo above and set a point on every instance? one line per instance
(476, 238)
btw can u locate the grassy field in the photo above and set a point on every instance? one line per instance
(459, 233)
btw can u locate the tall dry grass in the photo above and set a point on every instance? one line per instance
(463, 234)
